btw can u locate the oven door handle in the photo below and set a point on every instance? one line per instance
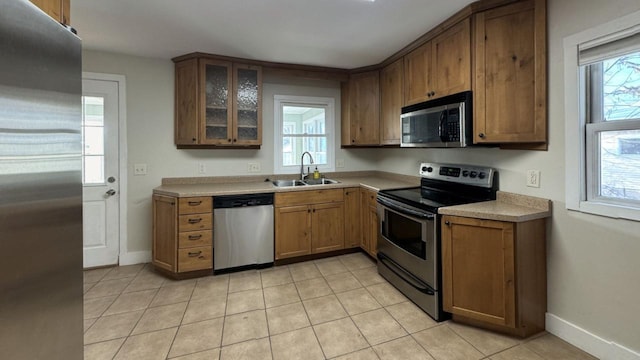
(394, 205)
(405, 275)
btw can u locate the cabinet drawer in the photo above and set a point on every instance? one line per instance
(308, 197)
(197, 258)
(195, 222)
(194, 205)
(194, 238)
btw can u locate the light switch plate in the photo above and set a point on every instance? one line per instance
(533, 178)
(139, 169)
(202, 168)
(253, 167)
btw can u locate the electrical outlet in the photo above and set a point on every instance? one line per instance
(139, 169)
(533, 178)
(202, 169)
(339, 163)
(253, 167)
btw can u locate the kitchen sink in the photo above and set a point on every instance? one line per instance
(321, 181)
(283, 183)
(287, 183)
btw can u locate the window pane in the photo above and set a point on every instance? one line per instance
(621, 87)
(620, 164)
(317, 146)
(93, 140)
(93, 170)
(303, 120)
(93, 110)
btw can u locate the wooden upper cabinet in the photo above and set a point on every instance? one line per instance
(391, 100)
(451, 60)
(439, 67)
(510, 104)
(59, 10)
(362, 121)
(417, 75)
(218, 103)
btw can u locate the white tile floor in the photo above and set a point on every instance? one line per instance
(334, 308)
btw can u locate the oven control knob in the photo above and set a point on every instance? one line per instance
(465, 173)
(427, 169)
(473, 174)
(481, 175)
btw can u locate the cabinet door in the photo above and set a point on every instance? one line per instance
(451, 60)
(165, 232)
(352, 230)
(478, 269)
(293, 231)
(369, 220)
(364, 117)
(510, 66)
(327, 227)
(186, 103)
(216, 116)
(417, 75)
(391, 78)
(53, 8)
(372, 230)
(247, 105)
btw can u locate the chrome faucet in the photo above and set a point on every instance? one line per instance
(302, 174)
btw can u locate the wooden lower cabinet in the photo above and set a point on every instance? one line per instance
(182, 234)
(369, 221)
(494, 273)
(308, 222)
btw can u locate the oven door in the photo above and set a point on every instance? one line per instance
(408, 238)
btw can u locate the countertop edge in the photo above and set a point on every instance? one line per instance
(507, 207)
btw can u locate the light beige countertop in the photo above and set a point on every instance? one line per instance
(507, 207)
(236, 185)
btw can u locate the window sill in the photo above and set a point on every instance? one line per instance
(615, 211)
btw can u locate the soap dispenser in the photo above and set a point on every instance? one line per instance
(316, 174)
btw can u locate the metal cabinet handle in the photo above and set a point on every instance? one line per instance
(481, 135)
(195, 237)
(194, 254)
(447, 223)
(195, 203)
(195, 221)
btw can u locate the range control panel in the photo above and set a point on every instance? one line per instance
(463, 174)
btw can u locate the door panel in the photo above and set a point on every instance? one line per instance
(293, 231)
(100, 172)
(327, 229)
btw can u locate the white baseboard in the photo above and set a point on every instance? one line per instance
(587, 341)
(136, 257)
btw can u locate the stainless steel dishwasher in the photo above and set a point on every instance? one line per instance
(242, 231)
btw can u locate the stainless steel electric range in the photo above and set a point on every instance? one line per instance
(409, 236)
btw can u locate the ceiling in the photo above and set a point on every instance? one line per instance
(333, 33)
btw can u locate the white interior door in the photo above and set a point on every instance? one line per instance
(100, 175)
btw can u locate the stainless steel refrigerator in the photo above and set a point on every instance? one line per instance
(40, 186)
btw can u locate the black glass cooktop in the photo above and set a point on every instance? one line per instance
(431, 199)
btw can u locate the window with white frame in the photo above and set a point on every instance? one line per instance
(606, 109)
(303, 124)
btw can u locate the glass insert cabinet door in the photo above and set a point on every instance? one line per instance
(217, 117)
(247, 101)
(231, 99)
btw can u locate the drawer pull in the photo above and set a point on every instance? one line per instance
(195, 237)
(195, 221)
(195, 203)
(194, 254)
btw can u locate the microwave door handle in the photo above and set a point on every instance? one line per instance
(442, 127)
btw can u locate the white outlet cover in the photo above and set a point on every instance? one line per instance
(339, 163)
(533, 178)
(139, 169)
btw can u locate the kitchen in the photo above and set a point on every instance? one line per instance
(584, 252)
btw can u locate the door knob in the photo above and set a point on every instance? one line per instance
(110, 192)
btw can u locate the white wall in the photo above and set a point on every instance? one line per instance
(150, 91)
(593, 266)
(593, 262)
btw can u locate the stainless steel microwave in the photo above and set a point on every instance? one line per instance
(441, 123)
